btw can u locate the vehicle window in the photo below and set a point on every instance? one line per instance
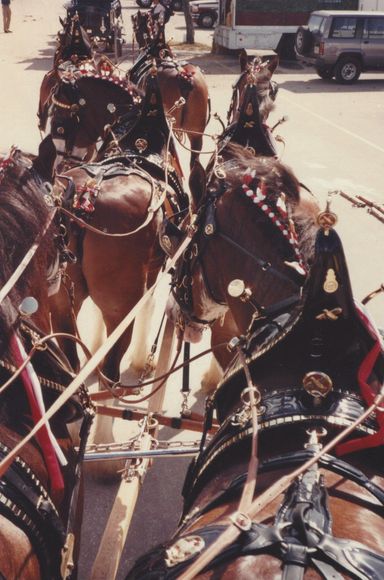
(374, 28)
(344, 27)
(315, 23)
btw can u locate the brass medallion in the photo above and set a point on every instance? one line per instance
(330, 283)
(141, 145)
(166, 243)
(326, 219)
(184, 549)
(317, 384)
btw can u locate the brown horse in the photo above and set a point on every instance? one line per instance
(307, 366)
(178, 82)
(124, 198)
(121, 196)
(227, 221)
(252, 100)
(74, 45)
(36, 491)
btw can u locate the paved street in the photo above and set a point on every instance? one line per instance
(333, 140)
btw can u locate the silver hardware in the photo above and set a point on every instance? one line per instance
(28, 306)
(241, 521)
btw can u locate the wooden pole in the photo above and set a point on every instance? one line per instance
(115, 534)
(112, 543)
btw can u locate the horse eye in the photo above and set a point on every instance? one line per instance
(60, 130)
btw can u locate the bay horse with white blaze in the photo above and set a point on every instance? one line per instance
(37, 491)
(180, 82)
(86, 104)
(291, 485)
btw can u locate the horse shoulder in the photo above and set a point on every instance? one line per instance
(17, 559)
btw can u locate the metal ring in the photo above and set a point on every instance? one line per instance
(256, 392)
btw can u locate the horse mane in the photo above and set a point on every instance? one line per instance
(124, 85)
(277, 177)
(23, 214)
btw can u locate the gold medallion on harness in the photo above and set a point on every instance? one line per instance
(330, 283)
(317, 384)
(184, 549)
(326, 219)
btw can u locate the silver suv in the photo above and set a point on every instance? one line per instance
(342, 44)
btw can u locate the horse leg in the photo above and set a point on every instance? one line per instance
(115, 295)
(222, 332)
(138, 351)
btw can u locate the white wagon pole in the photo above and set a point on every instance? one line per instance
(115, 534)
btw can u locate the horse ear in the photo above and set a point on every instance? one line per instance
(62, 22)
(243, 59)
(198, 183)
(273, 62)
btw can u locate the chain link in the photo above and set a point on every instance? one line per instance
(131, 444)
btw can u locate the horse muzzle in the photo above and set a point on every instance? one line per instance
(189, 330)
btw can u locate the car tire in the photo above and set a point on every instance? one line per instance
(177, 5)
(303, 40)
(325, 72)
(206, 21)
(144, 3)
(347, 70)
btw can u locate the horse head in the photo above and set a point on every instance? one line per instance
(252, 100)
(150, 134)
(252, 224)
(259, 73)
(37, 487)
(23, 190)
(86, 103)
(141, 29)
(147, 31)
(74, 42)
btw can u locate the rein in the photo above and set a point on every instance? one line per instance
(96, 359)
(5, 290)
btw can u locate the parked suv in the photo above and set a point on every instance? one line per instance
(342, 44)
(174, 4)
(204, 13)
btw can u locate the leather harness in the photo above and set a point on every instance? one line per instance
(25, 502)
